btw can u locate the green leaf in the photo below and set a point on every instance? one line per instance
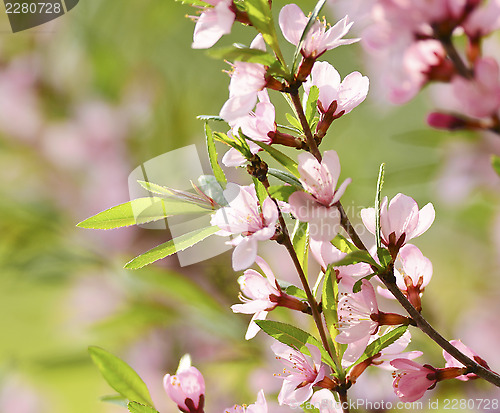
(283, 159)
(206, 118)
(171, 247)
(343, 244)
(385, 341)
(356, 288)
(308, 407)
(134, 407)
(285, 177)
(495, 162)
(281, 192)
(293, 337)
(329, 305)
(291, 289)
(259, 13)
(236, 144)
(310, 22)
(356, 257)
(260, 190)
(139, 211)
(300, 241)
(384, 257)
(292, 120)
(117, 399)
(241, 53)
(212, 154)
(120, 376)
(312, 102)
(380, 184)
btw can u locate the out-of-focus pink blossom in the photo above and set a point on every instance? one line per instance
(317, 205)
(325, 402)
(480, 96)
(412, 380)
(247, 79)
(319, 39)
(400, 221)
(483, 20)
(452, 362)
(243, 217)
(303, 373)
(260, 406)
(186, 389)
(213, 23)
(347, 94)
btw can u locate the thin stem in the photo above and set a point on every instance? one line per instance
(311, 143)
(343, 401)
(455, 57)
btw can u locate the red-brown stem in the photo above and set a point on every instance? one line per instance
(454, 56)
(343, 401)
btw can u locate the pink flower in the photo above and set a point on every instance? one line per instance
(325, 402)
(483, 20)
(347, 94)
(413, 272)
(452, 362)
(480, 96)
(412, 380)
(213, 23)
(317, 205)
(243, 217)
(304, 372)
(260, 406)
(400, 221)
(186, 389)
(247, 80)
(318, 40)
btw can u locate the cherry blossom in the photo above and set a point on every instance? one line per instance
(325, 402)
(186, 389)
(213, 23)
(317, 205)
(303, 373)
(483, 20)
(400, 221)
(319, 39)
(412, 380)
(260, 406)
(452, 362)
(244, 217)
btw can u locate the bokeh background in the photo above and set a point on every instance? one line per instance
(86, 99)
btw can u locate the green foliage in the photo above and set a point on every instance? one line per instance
(293, 337)
(120, 376)
(117, 399)
(495, 162)
(356, 288)
(356, 257)
(281, 192)
(380, 184)
(212, 154)
(291, 289)
(285, 177)
(171, 247)
(329, 299)
(343, 244)
(239, 52)
(134, 407)
(311, 104)
(312, 18)
(294, 122)
(300, 241)
(236, 143)
(283, 159)
(260, 190)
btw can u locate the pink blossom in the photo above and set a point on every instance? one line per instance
(483, 20)
(243, 217)
(452, 362)
(317, 205)
(318, 40)
(303, 373)
(400, 221)
(247, 79)
(213, 23)
(260, 406)
(412, 380)
(186, 389)
(347, 94)
(325, 402)
(480, 96)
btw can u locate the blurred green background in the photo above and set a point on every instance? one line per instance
(86, 99)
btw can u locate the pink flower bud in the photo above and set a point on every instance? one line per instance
(186, 389)
(445, 121)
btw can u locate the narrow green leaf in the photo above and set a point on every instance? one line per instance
(292, 120)
(212, 154)
(171, 247)
(285, 177)
(356, 288)
(385, 341)
(117, 399)
(293, 337)
(356, 257)
(120, 376)
(134, 407)
(241, 53)
(384, 257)
(300, 241)
(139, 211)
(260, 190)
(329, 305)
(283, 159)
(311, 104)
(310, 22)
(206, 118)
(281, 192)
(343, 244)
(495, 162)
(291, 289)
(236, 144)
(380, 184)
